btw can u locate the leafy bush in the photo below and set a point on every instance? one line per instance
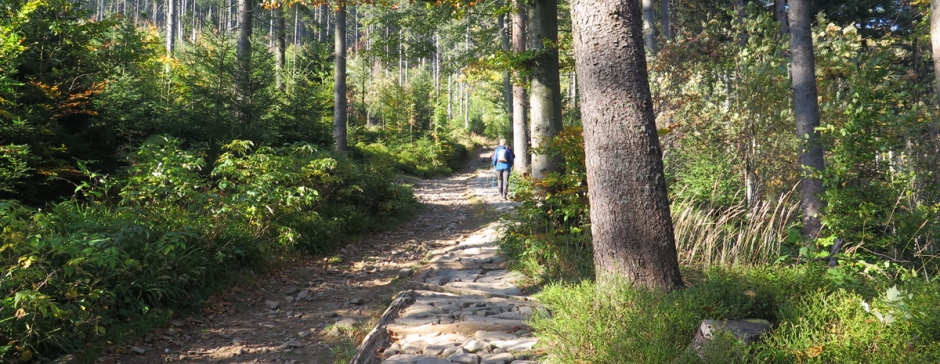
(424, 157)
(549, 236)
(82, 269)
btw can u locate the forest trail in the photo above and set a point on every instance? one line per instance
(312, 311)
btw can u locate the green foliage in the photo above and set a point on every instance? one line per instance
(878, 201)
(84, 268)
(424, 157)
(815, 318)
(550, 234)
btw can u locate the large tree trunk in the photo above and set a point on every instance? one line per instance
(780, 10)
(280, 45)
(631, 226)
(339, 77)
(520, 134)
(806, 109)
(243, 61)
(545, 91)
(649, 26)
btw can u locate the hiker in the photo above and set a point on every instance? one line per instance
(502, 162)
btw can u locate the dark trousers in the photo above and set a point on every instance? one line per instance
(503, 176)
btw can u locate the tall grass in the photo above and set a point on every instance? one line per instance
(736, 235)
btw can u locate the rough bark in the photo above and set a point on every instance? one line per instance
(339, 77)
(545, 90)
(780, 10)
(520, 135)
(649, 26)
(806, 110)
(631, 226)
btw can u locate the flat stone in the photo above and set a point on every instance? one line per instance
(473, 345)
(435, 349)
(434, 361)
(502, 288)
(290, 291)
(501, 358)
(501, 275)
(405, 273)
(451, 351)
(517, 345)
(414, 347)
(417, 321)
(406, 359)
(291, 343)
(464, 358)
(139, 350)
(420, 311)
(494, 335)
(357, 301)
(238, 341)
(272, 305)
(302, 295)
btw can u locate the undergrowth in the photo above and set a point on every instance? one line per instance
(169, 231)
(815, 319)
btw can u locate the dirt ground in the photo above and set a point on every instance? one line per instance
(317, 309)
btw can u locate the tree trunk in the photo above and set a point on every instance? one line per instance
(339, 77)
(780, 10)
(507, 84)
(935, 44)
(631, 226)
(649, 26)
(243, 61)
(667, 33)
(450, 97)
(280, 46)
(170, 28)
(545, 91)
(806, 110)
(739, 10)
(520, 130)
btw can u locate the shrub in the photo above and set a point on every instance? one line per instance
(88, 267)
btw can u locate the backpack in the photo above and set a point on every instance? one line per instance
(502, 155)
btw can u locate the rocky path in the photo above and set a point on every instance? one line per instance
(465, 306)
(317, 310)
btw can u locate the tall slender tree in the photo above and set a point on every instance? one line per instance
(545, 89)
(243, 60)
(806, 110)
(280, 45)
(631, 226)
(649, 26)
(780, 12)
(339, 78)
(935, 45)
(667, 34)
(520, 134)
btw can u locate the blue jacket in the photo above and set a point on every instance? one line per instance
(500, 165)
